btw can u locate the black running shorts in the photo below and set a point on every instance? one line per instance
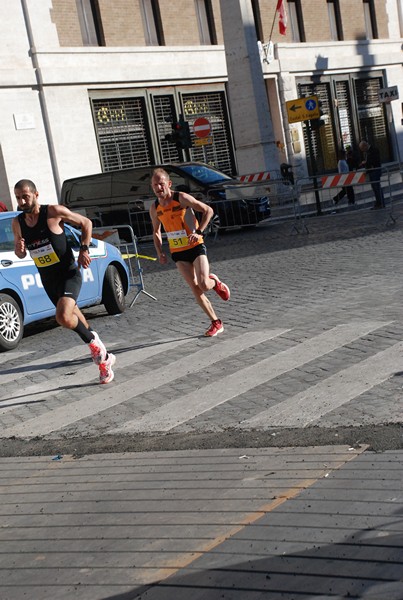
(189, 255)
(65, 284)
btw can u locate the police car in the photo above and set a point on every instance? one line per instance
(23, 299)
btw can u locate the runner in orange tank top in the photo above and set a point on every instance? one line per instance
(175, 211)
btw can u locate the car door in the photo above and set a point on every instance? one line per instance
(21, 274)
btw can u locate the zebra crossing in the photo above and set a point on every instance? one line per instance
(151, 410)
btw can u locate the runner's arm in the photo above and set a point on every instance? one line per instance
(66, 215)
(157, 236)
(19, 242)
(186, 200)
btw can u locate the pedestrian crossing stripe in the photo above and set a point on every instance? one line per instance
(307, 407)
(209, 395)
(191, 405)
(107, 397)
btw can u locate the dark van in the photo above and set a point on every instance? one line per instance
(123, 197)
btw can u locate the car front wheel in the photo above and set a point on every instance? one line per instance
(113, 294)
(11, 323)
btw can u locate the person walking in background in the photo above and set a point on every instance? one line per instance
(39, 229)
(175, 211)
(352, 158)
(343, 167)
(372, 163)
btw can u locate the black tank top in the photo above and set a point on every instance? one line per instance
(50, 251)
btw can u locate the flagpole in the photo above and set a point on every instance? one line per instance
(272, 26)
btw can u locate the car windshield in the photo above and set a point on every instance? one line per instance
(204, 174)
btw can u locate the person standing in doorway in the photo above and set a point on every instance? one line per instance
(39, 230)
(175, 212)
(343, 167)
(372, 163)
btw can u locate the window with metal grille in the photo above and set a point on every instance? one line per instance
(372, 121)
(165, 116)
(321, 145)
(219, 151)
(123, 133)
(344, 113)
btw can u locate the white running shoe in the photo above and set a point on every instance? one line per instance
(106, 374)
(97, 349)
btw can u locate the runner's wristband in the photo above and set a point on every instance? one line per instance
(199, 232)
(84, 247)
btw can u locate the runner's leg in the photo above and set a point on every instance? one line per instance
(202, 269)
(188, 272)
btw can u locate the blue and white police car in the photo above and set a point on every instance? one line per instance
(23, 299)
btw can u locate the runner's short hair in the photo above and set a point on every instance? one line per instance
(25, 183)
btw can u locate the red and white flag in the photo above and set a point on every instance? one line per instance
(282, 23)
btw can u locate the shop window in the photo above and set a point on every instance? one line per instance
(344, 115)
(218, 150)
(165, 115)
(123, 133)
(372, 122)
(320, 143)
(351, 112)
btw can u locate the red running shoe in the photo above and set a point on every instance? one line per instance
(221, 288)
(215, 327)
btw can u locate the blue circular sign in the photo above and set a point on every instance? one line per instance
(310, 104)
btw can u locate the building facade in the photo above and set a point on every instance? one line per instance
(93, 85)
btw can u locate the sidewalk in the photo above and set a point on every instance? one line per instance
(219, 524)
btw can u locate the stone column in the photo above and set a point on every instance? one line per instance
(250, 114)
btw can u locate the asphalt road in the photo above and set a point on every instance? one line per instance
(312, 352)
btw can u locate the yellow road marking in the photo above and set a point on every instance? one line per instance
(251, 518)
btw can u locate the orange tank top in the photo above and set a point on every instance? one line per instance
(178, 222)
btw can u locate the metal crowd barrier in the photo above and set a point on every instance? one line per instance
(139, 217)
(317, 198)
(126, 241)
(244, 205)
(247, 204)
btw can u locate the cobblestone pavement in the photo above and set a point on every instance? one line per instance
(312, 352)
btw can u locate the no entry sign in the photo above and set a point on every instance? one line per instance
(202, 127)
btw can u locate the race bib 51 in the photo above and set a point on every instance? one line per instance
(177, 239)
